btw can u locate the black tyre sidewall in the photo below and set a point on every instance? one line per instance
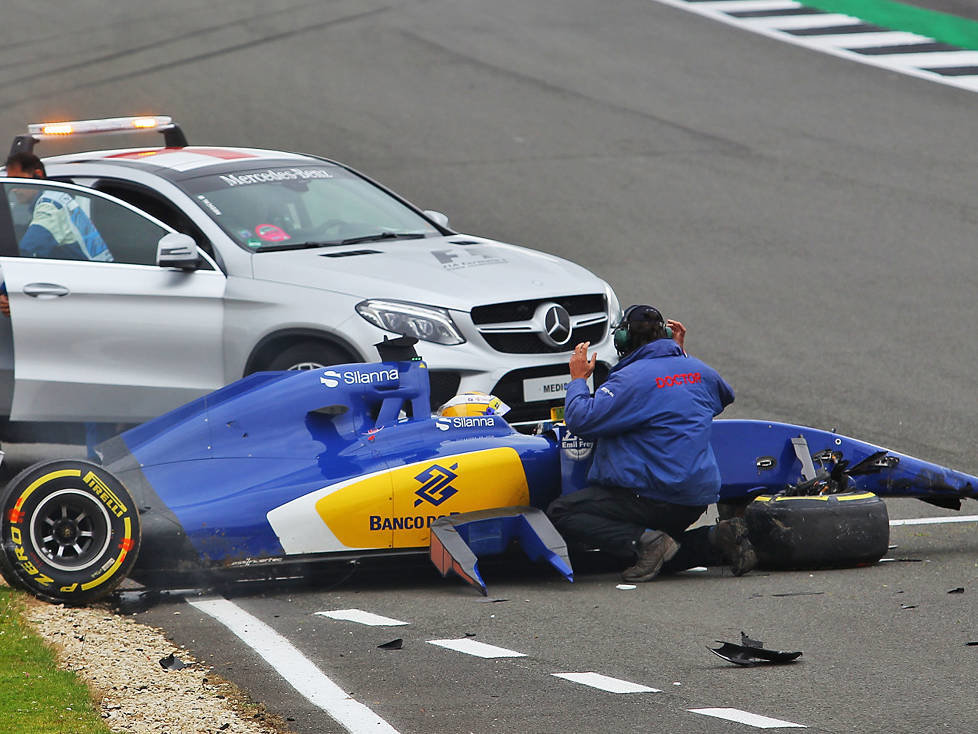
(114, 517)
(308, 351)
(834, 531)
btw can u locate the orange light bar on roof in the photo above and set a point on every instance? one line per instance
(58, 128)
(108, 125)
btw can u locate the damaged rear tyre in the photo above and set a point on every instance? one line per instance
(70, 531)
(827, 531)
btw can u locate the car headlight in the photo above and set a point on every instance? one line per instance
(425, 323)
(614, 308)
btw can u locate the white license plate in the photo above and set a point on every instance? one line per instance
(548, 388)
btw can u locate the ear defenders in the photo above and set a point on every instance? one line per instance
(622, 334)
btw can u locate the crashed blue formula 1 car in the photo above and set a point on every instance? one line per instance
(294, 467)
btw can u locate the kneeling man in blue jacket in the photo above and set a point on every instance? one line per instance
(654, 472)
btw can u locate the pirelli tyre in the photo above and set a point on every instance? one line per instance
(70, 531)
(826, 531)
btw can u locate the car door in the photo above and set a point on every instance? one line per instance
(120, 339)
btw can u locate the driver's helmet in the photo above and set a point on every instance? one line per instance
(473, 403)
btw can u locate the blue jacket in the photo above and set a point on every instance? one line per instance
(652, 419)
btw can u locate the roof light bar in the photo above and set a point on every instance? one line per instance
(72, 128)
(173, 136)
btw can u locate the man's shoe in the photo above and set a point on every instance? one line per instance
(654, 548)
(730, 536)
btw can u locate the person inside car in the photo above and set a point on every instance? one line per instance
(58, 228)
(654, 472)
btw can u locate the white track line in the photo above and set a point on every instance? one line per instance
(745, 717)
(361, 617)
(606, 683)
(933, 520)
(479, 649)
(292, 665)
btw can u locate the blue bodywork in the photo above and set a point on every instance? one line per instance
(208, 473)
(207, 476)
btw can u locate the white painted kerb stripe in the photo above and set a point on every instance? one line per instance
(933, 520)
(292, 665)
(736, 6)
(933, 59)
(867, 40)
(605, 683)
(745, 717)
(801, 22)
(479, 649)
(362, 617)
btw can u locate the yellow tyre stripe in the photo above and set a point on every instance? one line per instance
(821, 497)
(118, 561)
(46, 478)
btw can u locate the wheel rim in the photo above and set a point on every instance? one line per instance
(303, 366)
(70, 529)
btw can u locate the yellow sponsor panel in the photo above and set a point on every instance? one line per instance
(344, 511)
(395, 509)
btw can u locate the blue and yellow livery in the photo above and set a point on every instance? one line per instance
(284, 467)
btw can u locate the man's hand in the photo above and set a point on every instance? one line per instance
(580, 365)
(5, 304)
(678, 332)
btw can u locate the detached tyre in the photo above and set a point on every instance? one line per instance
(70, 531)
(827, 531)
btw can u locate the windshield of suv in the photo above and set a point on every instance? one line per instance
(285, 207)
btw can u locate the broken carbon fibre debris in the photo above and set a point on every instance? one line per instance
(395, 644)
(750, 652)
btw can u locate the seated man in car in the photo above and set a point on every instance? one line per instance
(59, 228)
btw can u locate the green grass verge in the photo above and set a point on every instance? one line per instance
(951, 29)
(36, 697)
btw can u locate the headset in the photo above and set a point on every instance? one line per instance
(622, 335)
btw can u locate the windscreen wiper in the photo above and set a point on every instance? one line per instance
(377, 236)
(295, 246)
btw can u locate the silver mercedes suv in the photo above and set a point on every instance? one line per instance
(227, 261)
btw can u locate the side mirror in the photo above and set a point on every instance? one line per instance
(437, 217)
(177, 250)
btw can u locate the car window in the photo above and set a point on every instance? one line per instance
(65, 224)
(157, 206)
(287, 204)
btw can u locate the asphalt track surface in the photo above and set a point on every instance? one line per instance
(812, 221)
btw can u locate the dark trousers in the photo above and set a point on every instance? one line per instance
(614, 518)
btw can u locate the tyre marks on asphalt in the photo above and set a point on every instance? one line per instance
(468, 646)
(845, 36)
